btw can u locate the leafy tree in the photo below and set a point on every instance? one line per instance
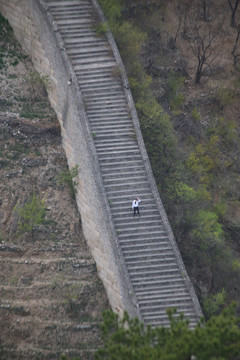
(207, 232)
(31, 214)
(129, 339)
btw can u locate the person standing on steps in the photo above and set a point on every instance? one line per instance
(135, 207)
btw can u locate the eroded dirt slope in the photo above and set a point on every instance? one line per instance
(51, 298)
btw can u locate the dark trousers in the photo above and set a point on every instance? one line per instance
(136, 209)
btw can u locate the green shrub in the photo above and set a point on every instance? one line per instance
(31, 214)
(112, 9)
(195, 115)
(129, 40)
(207, 231)
(205, 161)
(213, 304)
(101, 28)
(159, 138)
(67, 177)
(175, 84)
(224, 97)
(182, 192)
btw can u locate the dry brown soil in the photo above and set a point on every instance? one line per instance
(51, 298)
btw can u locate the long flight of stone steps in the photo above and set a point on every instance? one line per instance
(151, 262)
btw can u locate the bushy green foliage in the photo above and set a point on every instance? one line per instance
(213, 304)
(31, 214)
(129, 339)
(195, 115)
(159, 137)
(101, 28)
(129, 40)
(67, 177)
(224, 96)
(36, 79)
(182, 192)
(111, 9)
(207, 231)
(205, 161)
(175, 83)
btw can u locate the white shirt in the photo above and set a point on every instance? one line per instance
(135, 203)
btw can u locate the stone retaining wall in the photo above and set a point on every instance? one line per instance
(39, 37)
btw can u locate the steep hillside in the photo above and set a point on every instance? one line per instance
(182, 59)
(51, 298)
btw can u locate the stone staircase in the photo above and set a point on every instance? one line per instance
(152, 264)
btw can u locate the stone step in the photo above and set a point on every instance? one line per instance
(121, 142)
(136, 230)
(79, 32)
(163, 303)
(143, 244)
(118, 187)
(141, 277)
(125, 196)
(161, 291)
(162, 260)
(73, 21)
(114, 107)
(138, 249)
(153, 315)
(123, 217)
(114, 134)
(60, 3)
(115, 89)
(101, 134)
(124, 177)
(152, 269)
(114, 125)
(63, 3)
(119, 203)
(108, 116)
(154, 280)
(117, 129)
(145, 255)
(92, 97)
(97, 80)
(74, 9)
(97, 72)
(145, 234)
(109, 101)
(101, 148)
(121, 156)
(166, 297)
(111, 124)
(120, 160)
(103, 82)
(129, 166)
(118, 156)
(85, 53)
(93, 66)
(116, 182)
(71, 14)
(83, 60)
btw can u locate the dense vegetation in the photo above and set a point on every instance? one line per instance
(219, 338)
(129, 339)
(186, 96)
